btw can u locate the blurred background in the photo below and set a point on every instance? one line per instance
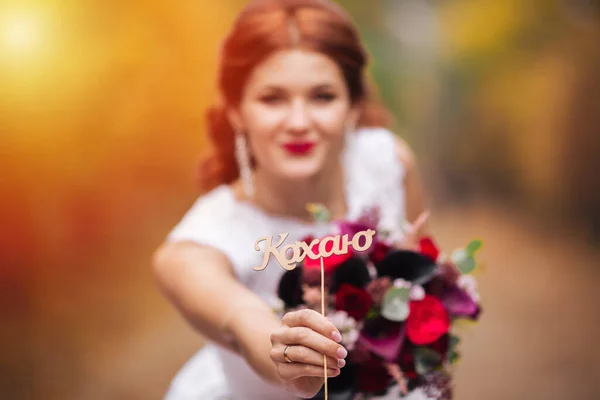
(102, 120)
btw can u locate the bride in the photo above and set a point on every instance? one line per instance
(298, 125)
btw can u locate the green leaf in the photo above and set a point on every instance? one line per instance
(426, 360)
(452, 354)
(467, 265)
(464, 261)
(402, 293)
(454, 341)
(453, 357)
(473, 247)
(395, 304)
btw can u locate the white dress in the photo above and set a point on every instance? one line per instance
(373, 176)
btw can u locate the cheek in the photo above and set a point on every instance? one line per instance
(262, 124)
(331, 119)
(263, 120)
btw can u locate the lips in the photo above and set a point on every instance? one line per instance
(299, 148)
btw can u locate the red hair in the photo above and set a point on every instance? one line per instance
(264, 27)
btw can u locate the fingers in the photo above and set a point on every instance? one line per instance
(313, 320)
(304, 355)
(289, 372)
(308, 338)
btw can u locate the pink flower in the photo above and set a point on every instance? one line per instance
(417, 293)
(402, 284)
(347, 326)
(469, 284)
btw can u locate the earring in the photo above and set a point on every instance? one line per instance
(242, 157)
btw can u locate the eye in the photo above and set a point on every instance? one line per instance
(271, 99)
(325, 97)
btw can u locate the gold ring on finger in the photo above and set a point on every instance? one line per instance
(285, 356)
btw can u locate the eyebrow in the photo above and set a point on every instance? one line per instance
(324, 86)
(320, 86)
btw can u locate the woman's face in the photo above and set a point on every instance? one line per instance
(294, 110)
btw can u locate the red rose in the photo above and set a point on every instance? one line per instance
(379, 252)
(330, 263)
(428, 248)
(427, 321)
(355, 301)
(372, 376)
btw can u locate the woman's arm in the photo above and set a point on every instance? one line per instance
(200, 282)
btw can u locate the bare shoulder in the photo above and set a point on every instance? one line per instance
(405, 154)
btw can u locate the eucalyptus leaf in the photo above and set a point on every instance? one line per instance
(393, 292)
(473, 247)
(426, 360)
(467, 265)
(458, 256)
(395, 305)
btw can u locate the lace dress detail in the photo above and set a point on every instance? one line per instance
(373, 177)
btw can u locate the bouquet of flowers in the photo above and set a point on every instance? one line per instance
(395, 305)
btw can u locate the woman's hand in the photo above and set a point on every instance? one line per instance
(304, 337)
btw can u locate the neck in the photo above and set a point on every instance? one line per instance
(289, 198)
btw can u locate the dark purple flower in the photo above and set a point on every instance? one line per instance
(352, 228)
(388, 347)
(459, 303)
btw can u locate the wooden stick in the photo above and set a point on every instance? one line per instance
(323, 312)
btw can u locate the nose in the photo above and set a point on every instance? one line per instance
(299, 118)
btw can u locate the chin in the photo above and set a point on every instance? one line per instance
(301, 170)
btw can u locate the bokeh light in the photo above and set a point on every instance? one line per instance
(102, 120)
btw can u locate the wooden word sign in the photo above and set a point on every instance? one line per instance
(301, 250)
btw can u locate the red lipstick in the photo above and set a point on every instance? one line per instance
(299, 148)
